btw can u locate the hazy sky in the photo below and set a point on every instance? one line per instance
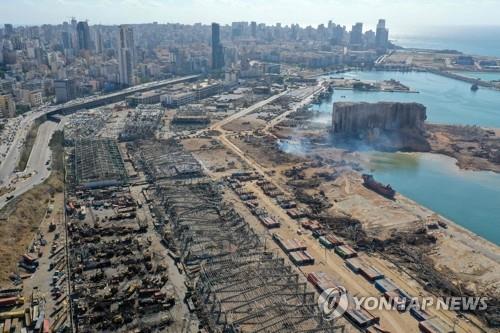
(402, 15)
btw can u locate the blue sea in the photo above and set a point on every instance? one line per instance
(475, 40)
(469, 198)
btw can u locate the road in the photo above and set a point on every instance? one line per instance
(250, 109)
(296, 107)
(9, 164)
(40, 154)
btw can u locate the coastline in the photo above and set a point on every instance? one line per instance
(474, 148)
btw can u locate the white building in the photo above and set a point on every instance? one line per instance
(7, 106)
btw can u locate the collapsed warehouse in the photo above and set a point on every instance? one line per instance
(142, 122)
(119, 280)
(236, 275)
(164, 160)
(97, 163)
(190, 117)
(237, 286)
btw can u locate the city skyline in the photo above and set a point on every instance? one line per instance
(405, 16)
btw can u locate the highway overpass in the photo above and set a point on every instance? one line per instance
(93, 102)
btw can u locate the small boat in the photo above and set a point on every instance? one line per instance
(474, 87)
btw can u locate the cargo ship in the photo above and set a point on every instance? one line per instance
(370, 183)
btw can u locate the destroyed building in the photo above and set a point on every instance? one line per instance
(164, 159)
(98, 163)
(190, 117)
(385, 125)
(142, 122)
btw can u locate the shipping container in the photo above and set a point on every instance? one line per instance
(405, 296)
(334, 240)
(7, 325)
(269, 222)
(321, 281)
(345, 251)
(15, 325)
(8, 301)
(317, 233)
(46, 326)
(433, 325)
(361, 317)
(311, 225)
(370, 273)
(289, 245)
(326, 243)
(12, 314)
(354, 264)
(39, 321)
(385, 285)
(27, 317)
(395, 299)
(301, 258)
(30, 260)
(419, 314)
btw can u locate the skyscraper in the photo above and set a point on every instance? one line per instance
(98, 41)
(357, 34)
(126, 53)
(217, 49)
(382, 35)
(8, 29)
(65, 90)
(238, 29)
(83, 35)
(253, 29)
(66, 40)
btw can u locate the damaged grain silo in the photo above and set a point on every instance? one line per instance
(382, 125)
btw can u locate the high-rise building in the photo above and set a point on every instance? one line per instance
(126, 53)
(98, 42)
(357, 34)
(66, 40)
(382, 35)
(253, 29)
(83, 35)
(7, 106)
(65, 90)
(239, 29)
(217, 49)
(8, 29)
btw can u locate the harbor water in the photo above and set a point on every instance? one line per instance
(469, 198)
(447, 101)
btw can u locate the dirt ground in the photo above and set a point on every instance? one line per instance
(245, 124)
(215, 157)
(473, 147)
(329, 262)
(22, 222)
